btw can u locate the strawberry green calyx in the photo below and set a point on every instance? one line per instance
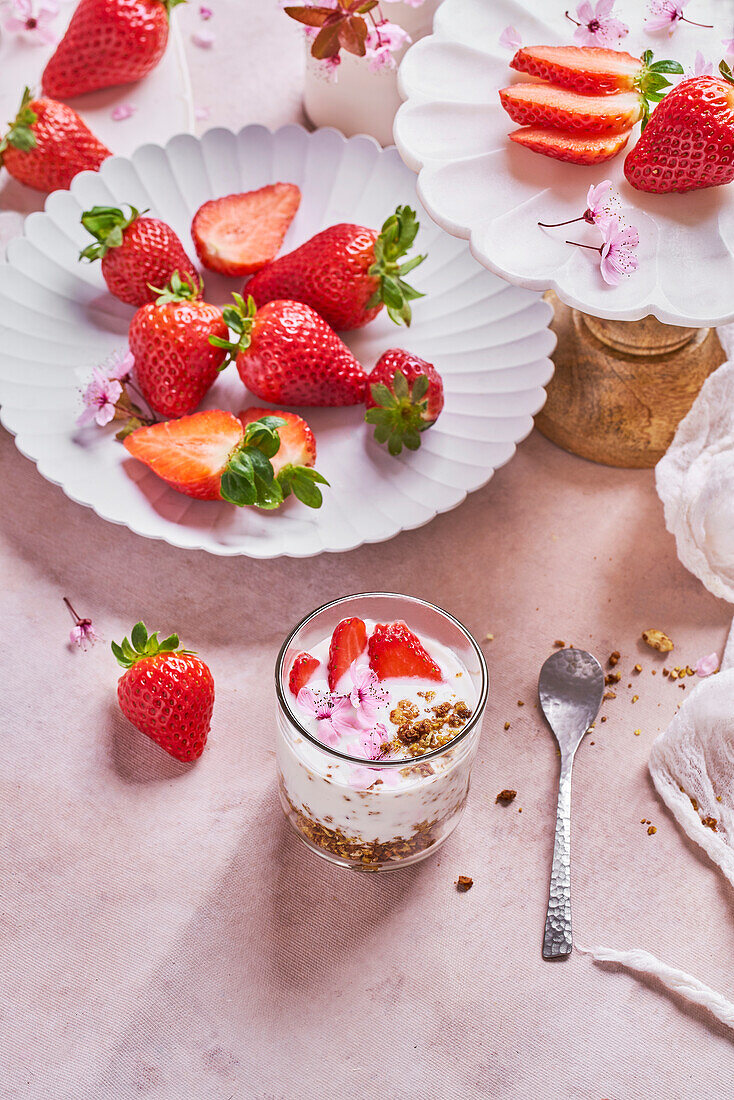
(239, 318)
(107, 225)
(169, 5)
(249, 478)
(726, 72)
(20, 135)
(142, 645)
(400, 414)
(178, 290)
(395, 240)
(652, 84)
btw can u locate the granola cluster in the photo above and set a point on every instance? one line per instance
(437, 727)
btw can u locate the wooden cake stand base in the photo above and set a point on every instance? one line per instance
(621, 388)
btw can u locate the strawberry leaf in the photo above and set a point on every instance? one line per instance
(303, 482)
(310, 17)
(141, 646)
(326, 43)
(396, 238)
(401, 412)
(178, 290)
(726, 72)
(263, 434)
(353, 35)
(107, 225)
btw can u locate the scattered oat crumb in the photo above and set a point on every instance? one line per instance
(614, 658)
(637, 668)
(489, 637)
(520, 703)
(506, 797)
(718, 798)
(464, 883)
(592, 742)
(665, 672)
(635, 698)
(682, 687)
(559, 644)
(651, 830)
(637, 733)
(507, 725)
(710, 823)
(604, 718)
(519, 809)
(654, 672)
(657, 640)
(612, 677)
(609, 695)
(694, 802)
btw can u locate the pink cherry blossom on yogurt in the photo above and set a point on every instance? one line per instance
(361, 778)
(367, 695)
(32, 20)
(119, 366)
(597, 26)
(665, 15)
(705, 666)
(372, 742)
(510, 39)
(333, 714)
(100, 399)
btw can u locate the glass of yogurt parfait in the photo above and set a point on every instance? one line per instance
(380, 705)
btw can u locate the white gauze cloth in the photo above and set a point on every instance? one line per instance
(692, 761)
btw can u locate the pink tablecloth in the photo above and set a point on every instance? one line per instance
(163, 935)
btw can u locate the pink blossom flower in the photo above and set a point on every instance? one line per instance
(32, 21)
(598, 207)
(122, 111)
(597, 26)
(665, 15)
(366, 695)
(328, 69)
(618, 251)
(700, 66)
(728, 44)
(361, 778)
(100, 398)
(82, 633)
(205, 12)
(119, 366)
(382, 42)
(409, 3)
(333, 713)
(204, 39)
(510, 39)
(707, 665)
(202, 113)
(372, 742)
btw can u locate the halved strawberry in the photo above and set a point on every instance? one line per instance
(571, 147)
(239, 234)
(348, 642)
(297, 443)
(211, 456)
(556, 108)
(301, 672)
(593, 70)
(396, 651)
(190, 453)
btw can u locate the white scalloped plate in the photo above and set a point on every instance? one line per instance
(489, 340)
(479, 185)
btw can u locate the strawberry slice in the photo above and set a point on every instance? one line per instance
(191, 453)
(239, 234)
(571, 147)
(348, 642)
(301, 672)
(550, 106)
(396, 651)
(297, 443)
(590, 70)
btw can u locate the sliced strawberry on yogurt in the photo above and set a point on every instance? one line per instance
(302, 671)
(348, 643)
(395, 651)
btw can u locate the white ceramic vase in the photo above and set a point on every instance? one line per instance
(360, 101)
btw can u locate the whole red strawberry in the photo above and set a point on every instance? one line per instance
(108, 42)
(288, 355)
(347, 273)
(166, 692)
(689, 141)
(395, 651)
(138, 254)
(48, 144)
(404, 396)
(175, 364)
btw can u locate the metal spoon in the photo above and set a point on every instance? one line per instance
(570, 687)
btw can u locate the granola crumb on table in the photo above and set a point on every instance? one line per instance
(657, 640)
(464, 883)
(506, 797)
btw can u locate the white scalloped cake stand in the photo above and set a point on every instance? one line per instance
(489, 340)
(480, 186)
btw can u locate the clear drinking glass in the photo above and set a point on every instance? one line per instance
(400, 818)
